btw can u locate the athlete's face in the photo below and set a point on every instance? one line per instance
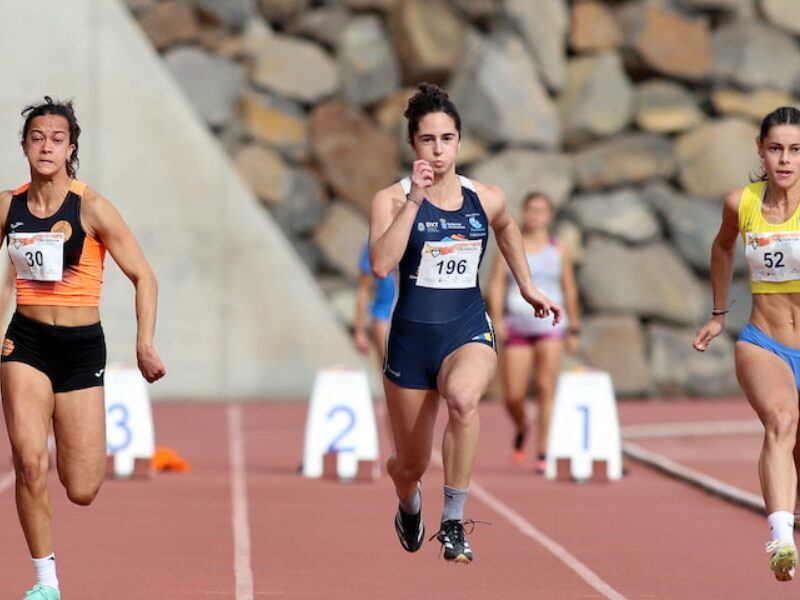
(536, 215)
(437, 141)
(47, 144)
(780, 151)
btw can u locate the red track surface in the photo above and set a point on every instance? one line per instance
(647, 536)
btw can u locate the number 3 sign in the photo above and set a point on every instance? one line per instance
(341, 420)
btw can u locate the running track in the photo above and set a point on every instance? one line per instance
(244, 525)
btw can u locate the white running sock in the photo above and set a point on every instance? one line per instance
(46, 571)
(413, 505)
(781, 525)
(454, 500)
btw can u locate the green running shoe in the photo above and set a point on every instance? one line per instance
(784, 559)
(43, 592)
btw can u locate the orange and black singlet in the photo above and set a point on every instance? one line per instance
(57, 262)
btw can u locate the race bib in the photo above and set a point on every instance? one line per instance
(37, 256)
(449, 264)
(773, 256)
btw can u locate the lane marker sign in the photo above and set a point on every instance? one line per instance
(130, 437)
(341, 437)
(584, 437)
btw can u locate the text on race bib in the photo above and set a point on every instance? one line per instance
(773, 256)
(37, 256)
(449, 264)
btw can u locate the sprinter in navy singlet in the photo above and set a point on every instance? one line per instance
(439, 307)
(433, 228)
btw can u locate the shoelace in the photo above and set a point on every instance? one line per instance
(469, 523)
(775, 544)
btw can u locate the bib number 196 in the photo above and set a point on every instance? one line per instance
(452, 266)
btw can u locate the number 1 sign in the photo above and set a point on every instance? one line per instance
(340, 420)
(584, 427)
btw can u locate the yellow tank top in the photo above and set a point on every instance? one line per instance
(772, 251)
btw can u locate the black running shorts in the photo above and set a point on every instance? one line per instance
(73, 358)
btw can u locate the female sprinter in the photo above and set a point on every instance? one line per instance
(53, 356)
(530, 343)
(433, 227)
(767, 216)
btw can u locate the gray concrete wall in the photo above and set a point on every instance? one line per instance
(239, 315)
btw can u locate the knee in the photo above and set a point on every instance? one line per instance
(408, 470)
(462, 407)
(82, 495)
(782, 425)
(32, 470)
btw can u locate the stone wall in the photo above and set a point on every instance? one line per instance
(637, 117)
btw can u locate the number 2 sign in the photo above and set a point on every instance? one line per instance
(340, 419)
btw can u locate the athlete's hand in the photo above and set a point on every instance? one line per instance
(421, 179)
(542, 305)
(150, 364)
(707, 333)
(361, 341)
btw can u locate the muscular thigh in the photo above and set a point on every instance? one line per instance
(468, 370)
(766, 380)
(27, 407)
(412, 414)
(517, 367)
(80, 432)
(548, 358)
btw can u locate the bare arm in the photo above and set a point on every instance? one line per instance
(363, 292)
(570, 287)
(723, 252)
(392, 216)
(498, 287)
(509, 241)
(103, 221)
(10, 280)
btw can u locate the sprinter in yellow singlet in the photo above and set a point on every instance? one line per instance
(767, 216)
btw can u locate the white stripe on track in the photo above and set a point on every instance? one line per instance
(694, 477)
(527, 529)
(7, 481)
(242, 566)
(695, 428)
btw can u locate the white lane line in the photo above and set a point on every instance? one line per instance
(656, 430)
(527, 529)
(696, 478)
(242, 567)
(7, 481)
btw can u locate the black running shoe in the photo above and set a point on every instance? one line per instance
(410, 529)
(456, 548)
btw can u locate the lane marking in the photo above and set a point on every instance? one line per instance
(7, 481)
(656, 430)
(706, 482)
(242, 564)
(527, 529)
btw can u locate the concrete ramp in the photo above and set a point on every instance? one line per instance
(239, 315)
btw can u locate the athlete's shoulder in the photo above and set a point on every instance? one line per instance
(5, 206)
(487, 190)
(391, 193)
(735, 197)
(91, 199)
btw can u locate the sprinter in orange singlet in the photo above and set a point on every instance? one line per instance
(53, 356)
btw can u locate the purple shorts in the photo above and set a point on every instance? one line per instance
(517, 339)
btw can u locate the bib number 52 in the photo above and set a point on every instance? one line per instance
(773, 259)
